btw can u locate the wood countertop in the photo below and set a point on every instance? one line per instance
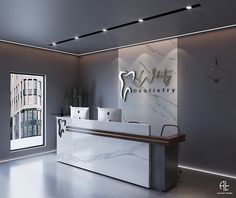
(166, 140)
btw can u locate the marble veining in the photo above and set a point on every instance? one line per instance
(109, 155)
(122, 159)
(153, 98)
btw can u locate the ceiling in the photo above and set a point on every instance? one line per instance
(39, 23)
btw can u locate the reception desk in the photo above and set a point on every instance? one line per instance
(124, 151)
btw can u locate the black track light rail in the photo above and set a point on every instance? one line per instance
(127, 24)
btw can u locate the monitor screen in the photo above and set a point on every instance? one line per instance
(79, 112)
(109, 114)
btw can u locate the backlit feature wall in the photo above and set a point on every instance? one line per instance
(27, 110)
(148, 84)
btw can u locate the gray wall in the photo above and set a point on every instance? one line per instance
(100, 71)
(61, 75)
(207, 117)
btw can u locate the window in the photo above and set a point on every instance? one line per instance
(35, 114)
(30, 91)
(27, 111)
(21, 93)
(35, 91)
(39, 92)
(24, 92)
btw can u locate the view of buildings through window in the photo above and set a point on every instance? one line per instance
(26, 110)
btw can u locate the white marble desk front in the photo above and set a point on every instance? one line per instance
(122, 159)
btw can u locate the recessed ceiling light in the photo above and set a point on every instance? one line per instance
(188, 7)
(183, 9)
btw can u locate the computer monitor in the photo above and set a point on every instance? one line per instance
(109, 114)
(79, 112)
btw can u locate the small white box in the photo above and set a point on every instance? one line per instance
(79, 112)
(109, 114)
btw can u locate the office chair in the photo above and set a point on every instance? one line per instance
(178, 132)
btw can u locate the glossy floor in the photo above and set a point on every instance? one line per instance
(43, 177)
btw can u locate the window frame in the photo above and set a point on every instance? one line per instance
(25, 94)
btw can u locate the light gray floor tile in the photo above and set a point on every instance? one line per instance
(43, 177)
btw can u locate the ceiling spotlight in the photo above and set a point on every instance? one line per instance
(137, 20)
(188, 7)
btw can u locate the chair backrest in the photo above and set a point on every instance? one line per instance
(135, 122)
(169, 125)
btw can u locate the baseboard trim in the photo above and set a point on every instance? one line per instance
(207, 171)
(27, 156)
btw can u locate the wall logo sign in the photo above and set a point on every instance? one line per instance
(124, 91)
(164, 75)
(224, 187)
